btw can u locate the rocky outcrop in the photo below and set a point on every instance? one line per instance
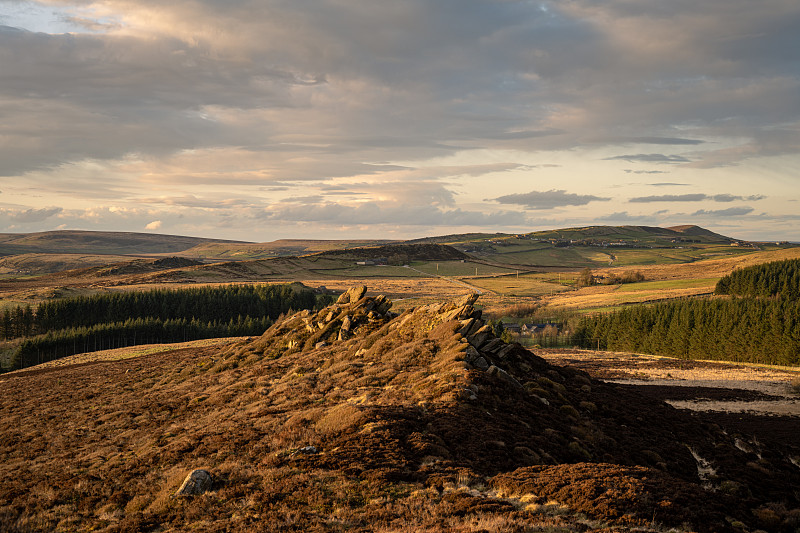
(419, 395)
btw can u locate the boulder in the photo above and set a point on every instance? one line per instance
(352, 295)
(465, 326)
(382, 304)
(197, 482)
(467, 299)
(504, 376)
(493, 345)
(480, 363)
(471, 354)
(480, 337)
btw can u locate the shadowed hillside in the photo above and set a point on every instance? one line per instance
(354, 418)
(398, 253)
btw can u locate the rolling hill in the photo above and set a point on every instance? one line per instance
(222, 251)
(98, 242)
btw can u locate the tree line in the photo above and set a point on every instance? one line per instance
(65, 342)
(778, 279)
(65, 327)
(206, 304)
(737, 329)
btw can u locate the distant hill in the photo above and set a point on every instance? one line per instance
(38, 264)
(457, 238)
(641, 233)
(98, 242)
(33, 254)
(690, 229)
(281, 248)
(594, 246)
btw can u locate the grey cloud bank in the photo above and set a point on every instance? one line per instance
(346, 113)
(548, 199)
(694, 198)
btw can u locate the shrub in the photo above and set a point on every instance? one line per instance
(570, 411)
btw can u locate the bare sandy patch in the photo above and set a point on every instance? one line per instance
(656, 371)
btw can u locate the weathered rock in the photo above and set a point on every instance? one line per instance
(467, 299)
(457, 314)
(477, 324)
(306, 450)
(382, 304)
(320, 344)
(480, 337)
(471, 354)
(480, 363)
(503, 375)
(493, 345)
(504, 351)
(466, 325)
(352, 295)
(346, 323)
(197, 482)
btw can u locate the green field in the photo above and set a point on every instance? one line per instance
(668, 284)
(529, 285)
(370, 271)
(459, 268)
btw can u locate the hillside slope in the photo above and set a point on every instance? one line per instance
(97, 242)
(357, 419)
(283, 247)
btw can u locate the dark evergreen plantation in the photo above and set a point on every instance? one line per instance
(65, 327)
(759, 324)
(776, 279)
(739, 329)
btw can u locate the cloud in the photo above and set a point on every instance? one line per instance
(548, 199)
(627, 218)
(148, 103)
(192, 201)
(156, 224)
(694, 198)
(733, 198)
(628, 171)
(649, 158)
(730, 212)
(659, 140)
(670, 198)
(373, 213)
(28, 216)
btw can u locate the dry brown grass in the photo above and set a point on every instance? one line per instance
(408, 436)
(703, 269)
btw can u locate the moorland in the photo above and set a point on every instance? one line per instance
(476, 385)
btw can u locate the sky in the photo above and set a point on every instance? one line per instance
(259, 120)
